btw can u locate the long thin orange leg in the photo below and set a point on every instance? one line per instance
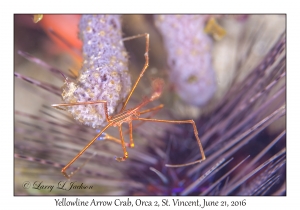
(154, 110)
(80, 167)
(106, 136)
(114, 139)
(144, 68)
(130, 135)
(195, 132)
(123, 146)
(63, 170)
(85, 103)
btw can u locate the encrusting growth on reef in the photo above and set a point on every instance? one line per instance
(104, 73)
(189, 56)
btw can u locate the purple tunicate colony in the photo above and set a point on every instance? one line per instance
(104, 73)
(189, 56)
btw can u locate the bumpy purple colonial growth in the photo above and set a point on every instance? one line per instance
(104, 73)
(189, 56)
